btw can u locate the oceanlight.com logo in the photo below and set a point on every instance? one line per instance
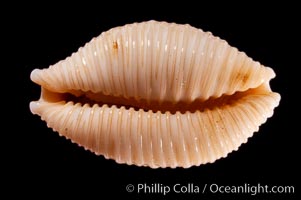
(213, 188)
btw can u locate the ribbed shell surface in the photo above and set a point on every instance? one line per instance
(157, 62)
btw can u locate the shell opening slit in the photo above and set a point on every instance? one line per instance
(156, 94)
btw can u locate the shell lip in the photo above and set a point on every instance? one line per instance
(91, 99)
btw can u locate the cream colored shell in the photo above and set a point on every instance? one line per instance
(156, 94)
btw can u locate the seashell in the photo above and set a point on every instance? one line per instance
(156, 94)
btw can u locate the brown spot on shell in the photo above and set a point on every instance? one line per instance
(115, 45)
(242, 77)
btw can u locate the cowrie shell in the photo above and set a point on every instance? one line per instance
(156, 94)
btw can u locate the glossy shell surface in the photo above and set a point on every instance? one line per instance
(156, 94)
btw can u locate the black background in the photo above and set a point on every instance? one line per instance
(45, 162)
